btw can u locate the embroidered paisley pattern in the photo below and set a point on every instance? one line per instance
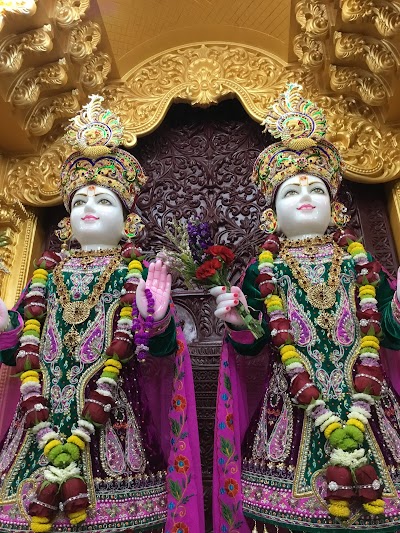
(344, 331)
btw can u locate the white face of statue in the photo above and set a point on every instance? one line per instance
(303, 207)
(97, 218)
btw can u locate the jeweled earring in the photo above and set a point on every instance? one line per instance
(338, 215)
(133, 226)
(269, 223)
(65, 232)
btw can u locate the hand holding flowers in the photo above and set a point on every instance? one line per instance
(203, 263)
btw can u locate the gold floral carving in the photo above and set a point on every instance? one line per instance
(14, 47)
(312, 15)
(68, 13)
(16, 7)
(203, 75)
(371, 151)
(311, 52)
(200, 75)
(372, 89)
(384, 14)
(12, 214)
(36, 180)
(31, 83)
(45, 113)
(380, 55)
(94, 72)
(83, 41)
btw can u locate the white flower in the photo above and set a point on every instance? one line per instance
(292, 366)
(363, 396)
(313, 405)
(39, 426)
(87, 425)
(369, 354)
(331, 420)
(110, 381)
(350, 459)
(321, 419)
(47, 438)
(81, 434)
(61, 475)
(359, 416)
(365, 301)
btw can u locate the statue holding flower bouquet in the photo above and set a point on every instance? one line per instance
(104, 436)
(312, 441)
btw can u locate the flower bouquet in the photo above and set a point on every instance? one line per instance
(202, 263)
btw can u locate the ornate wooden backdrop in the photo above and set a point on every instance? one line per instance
(199, 164)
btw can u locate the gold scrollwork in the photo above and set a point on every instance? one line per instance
(312, 15)
(20, 7)
(371, 88)
(14, 47)
(12, 214)
(68, 13)
(383, 13)
(83, 41)
(380, 55)
(94, 71)
(44, 114)
(311, 52)
(201, 75)
(30, 84)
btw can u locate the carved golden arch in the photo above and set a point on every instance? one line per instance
(204, 74)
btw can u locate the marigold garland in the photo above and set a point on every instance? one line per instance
(345, 438)
(63, 457)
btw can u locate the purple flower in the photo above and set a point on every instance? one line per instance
(199, 238)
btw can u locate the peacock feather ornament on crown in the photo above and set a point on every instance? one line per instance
(96, 133)
(301, 126)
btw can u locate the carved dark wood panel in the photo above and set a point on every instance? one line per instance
(199, 164)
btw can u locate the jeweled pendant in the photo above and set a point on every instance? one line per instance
(76, 312)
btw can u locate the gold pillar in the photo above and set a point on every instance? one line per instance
(393, 195)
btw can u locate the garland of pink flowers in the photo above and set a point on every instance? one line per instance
(348, 475)
(63, 487)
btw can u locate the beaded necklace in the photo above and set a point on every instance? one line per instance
(348, 464)
(64, 487)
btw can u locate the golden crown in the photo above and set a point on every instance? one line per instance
(96, 134)
(301, 126)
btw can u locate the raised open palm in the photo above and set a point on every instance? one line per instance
(159, 282)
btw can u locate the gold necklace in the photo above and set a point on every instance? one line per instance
(320, 295)
(78, 311)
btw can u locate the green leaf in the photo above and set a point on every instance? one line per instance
(227, 382)
(227, 514)
(175, 489)
(175, 427)
(226, 447)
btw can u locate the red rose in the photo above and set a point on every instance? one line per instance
(129, 251)
(28, 362)
(368, 379)
(71, 489)
(339, 475)
(308, 394)
(366, 475)
(98, 413)
(208, 269)
(130, 295)
(47, 494)
(280, 333)
(121, 346)
(272, 244)
(48, 260)
(373, 268)
(344, 237)
(222, 252)
(34, 307)
(36, 409)
(265, 285)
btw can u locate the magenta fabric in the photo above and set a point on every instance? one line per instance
(9, 387)
(244, 336)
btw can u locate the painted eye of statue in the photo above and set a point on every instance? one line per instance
(104, 201)
(77, 203)
(318, 190)
(290, 192)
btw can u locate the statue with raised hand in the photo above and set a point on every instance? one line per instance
(91, 445)
(320, 446)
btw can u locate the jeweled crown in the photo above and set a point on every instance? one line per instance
(301, 126)
(96, 134)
